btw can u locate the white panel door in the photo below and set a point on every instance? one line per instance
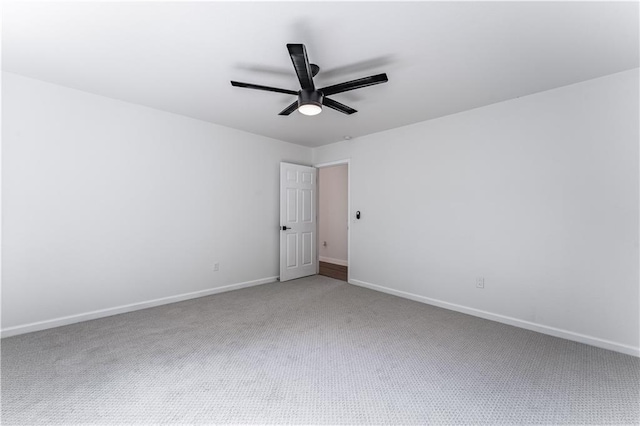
(297, 221)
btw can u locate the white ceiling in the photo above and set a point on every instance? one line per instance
(441, 58)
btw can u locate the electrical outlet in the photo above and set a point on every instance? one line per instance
(480, 282)
(216, 267)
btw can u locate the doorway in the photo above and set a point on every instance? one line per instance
(333, 220)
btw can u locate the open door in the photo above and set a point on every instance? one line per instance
(297, 221)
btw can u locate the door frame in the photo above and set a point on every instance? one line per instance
(346, 161)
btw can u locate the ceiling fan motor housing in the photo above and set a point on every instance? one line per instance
(310, 97)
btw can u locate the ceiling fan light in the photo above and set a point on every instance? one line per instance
(310, 109)
(310, 102)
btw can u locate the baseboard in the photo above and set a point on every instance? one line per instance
(552, 331)
(72, 319)
(334, 261)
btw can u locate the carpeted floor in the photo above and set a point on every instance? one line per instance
(315, 350)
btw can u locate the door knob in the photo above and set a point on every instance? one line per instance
(284, 228)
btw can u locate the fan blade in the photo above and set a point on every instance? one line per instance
(355, 84)
(338, 106)
(300, 61)
(266, 88)
(288, 110)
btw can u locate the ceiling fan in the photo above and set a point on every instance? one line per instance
(310, 100)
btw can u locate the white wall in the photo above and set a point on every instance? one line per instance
(539, 195)
(108, 203)
(332, 213)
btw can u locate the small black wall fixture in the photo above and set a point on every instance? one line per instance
(358, 214)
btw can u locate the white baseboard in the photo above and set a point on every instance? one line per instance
(552, 331)
(334, 261)
(72, 319)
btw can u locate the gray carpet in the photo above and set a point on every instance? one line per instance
(315, 350)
